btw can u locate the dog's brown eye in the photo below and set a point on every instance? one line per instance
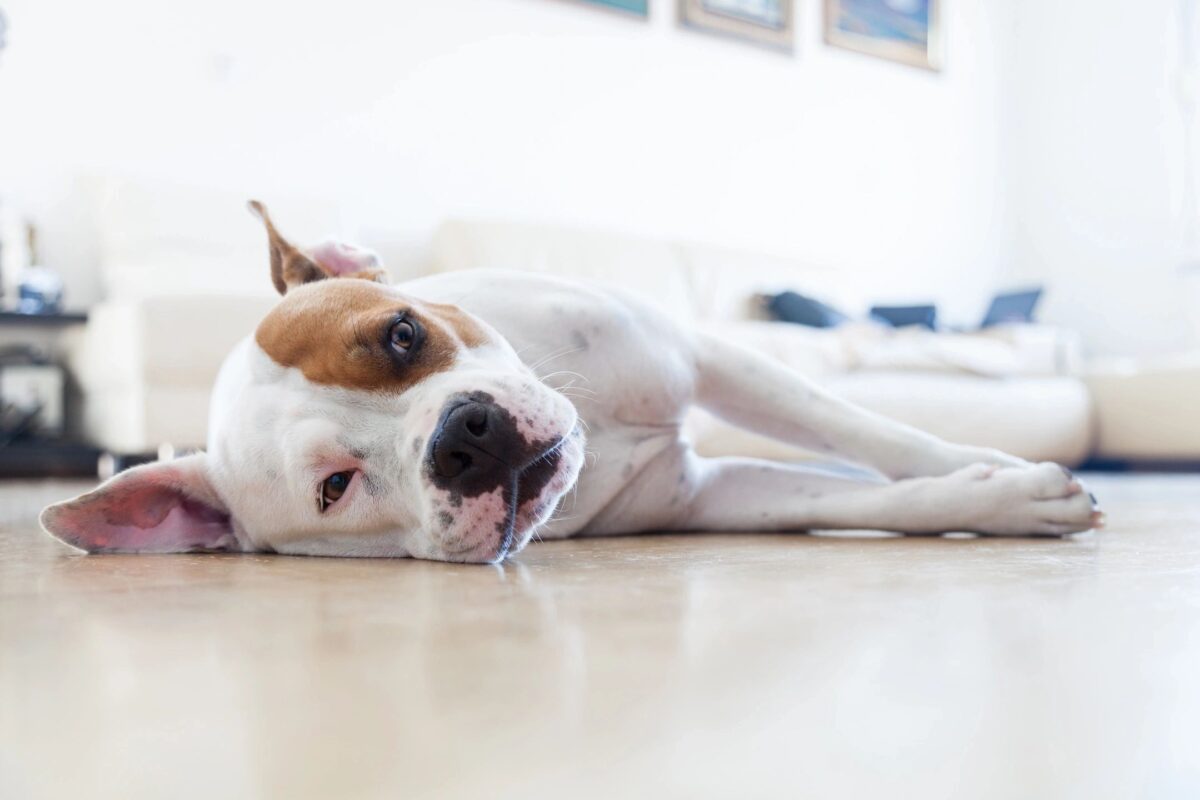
(333, 488)
(402, 336)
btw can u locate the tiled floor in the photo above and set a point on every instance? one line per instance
(673, 666)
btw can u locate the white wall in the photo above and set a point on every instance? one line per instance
(413, 110)
(1096, 147)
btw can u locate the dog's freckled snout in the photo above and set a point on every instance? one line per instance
(473, 447)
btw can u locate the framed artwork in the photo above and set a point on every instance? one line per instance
(639, 8)
(908, 31)
(766, 22)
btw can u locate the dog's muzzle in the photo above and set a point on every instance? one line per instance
(476, 448)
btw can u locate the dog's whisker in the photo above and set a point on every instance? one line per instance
(571, 387)
(553, 356)
(564, 518)
(590, 399)
(571, 373)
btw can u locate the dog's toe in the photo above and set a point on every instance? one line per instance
(1050, 481)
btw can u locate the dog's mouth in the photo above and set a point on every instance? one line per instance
(523, 496)
(526, 500)
(531, 478)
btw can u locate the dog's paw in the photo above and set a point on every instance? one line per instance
(1035, 500)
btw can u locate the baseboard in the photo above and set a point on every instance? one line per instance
(1140, 465)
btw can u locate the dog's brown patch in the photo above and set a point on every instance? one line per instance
(335, 333)
(465, 327)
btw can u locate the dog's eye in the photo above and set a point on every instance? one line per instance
(333, 488)
(402, 336)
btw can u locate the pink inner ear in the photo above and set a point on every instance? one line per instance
(152, 509)
(180, 530)
(338, 258)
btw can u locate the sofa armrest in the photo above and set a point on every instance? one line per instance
(146, 366)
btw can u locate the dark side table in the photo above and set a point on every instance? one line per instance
(35, 339)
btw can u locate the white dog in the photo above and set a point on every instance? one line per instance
(364, 419)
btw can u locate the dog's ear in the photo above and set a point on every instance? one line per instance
(291, 266)
(166, 507)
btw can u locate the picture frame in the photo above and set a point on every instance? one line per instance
(634, 8)
(906, 31)
(769, 23)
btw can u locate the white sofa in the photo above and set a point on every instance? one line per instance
(178, 302)
(1146, 408)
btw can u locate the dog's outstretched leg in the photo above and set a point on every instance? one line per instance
(752, 391)
(747, 494)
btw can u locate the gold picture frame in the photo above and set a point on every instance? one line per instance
(770, 23)
(907, 31)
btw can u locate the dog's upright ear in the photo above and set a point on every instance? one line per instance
(166, 507)
(291, 266)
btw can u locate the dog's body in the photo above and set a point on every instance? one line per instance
(361, 420)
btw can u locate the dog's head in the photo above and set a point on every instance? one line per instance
(358, 421)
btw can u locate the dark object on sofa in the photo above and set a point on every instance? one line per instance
(901, 316)
(1012, 307)
(794, 307)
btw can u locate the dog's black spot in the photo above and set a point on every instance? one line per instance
(418, 443)
(534, 477)
(371, 485)
(446, 518)
(580, 341)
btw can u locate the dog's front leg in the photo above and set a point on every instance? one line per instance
(752, 391)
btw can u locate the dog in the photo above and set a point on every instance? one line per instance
(365, 419)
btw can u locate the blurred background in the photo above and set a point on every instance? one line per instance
(860, 153)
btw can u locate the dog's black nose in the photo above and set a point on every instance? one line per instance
(474, 448)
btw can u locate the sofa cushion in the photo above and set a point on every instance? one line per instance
(1003, 351)
(651, 268)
